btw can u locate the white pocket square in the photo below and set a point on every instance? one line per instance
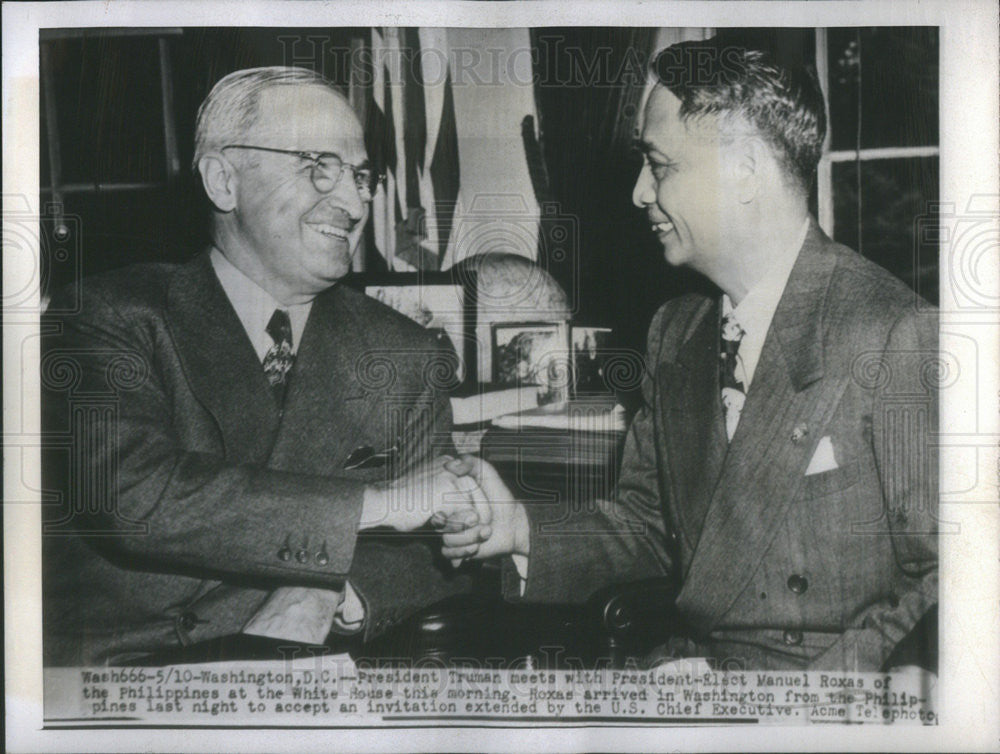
(823, 459)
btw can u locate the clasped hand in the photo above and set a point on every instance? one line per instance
(462, 497)
(502, 530)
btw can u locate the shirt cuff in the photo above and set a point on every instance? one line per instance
(350, 615)
(521, 564)
(295, 613)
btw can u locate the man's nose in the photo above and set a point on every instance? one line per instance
(644, 192)
(347, 195)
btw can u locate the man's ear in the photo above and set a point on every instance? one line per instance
(219, 179)
(751, 165)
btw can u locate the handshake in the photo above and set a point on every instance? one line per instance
(464, 498)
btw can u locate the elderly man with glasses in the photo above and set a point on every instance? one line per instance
(257, 418)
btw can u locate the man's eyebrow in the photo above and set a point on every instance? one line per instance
(646, 147)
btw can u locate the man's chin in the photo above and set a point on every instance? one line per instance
(675, 252)
(340, 267)
(333, 263)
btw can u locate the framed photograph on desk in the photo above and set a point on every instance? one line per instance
(590, 353)
(435, 300)
(533, 353)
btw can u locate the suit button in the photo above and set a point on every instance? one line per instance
(799, 432)
(792, 638)
(797, 584)
(188, 621)
(302, 556)
(893, 600)
(322, 557)
(900, 518)
(284, 554)
(619, 618)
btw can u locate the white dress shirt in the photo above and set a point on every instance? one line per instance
(755, 312)
(255, 306)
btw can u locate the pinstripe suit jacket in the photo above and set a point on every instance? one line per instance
(777, 568)
(184, 493)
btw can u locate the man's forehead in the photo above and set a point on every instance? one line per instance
(661, 117)
(307, 117)
(664, 130)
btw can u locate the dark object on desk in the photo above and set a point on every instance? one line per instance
(637, 617)
(244, 647)
(615, 627)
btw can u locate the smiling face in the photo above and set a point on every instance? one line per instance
(296, 235)
(685, 186)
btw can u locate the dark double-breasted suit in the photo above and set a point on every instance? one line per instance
(180, 492)
(777, 568)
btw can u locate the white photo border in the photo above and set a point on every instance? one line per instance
(970, 650)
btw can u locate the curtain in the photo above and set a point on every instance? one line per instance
(590, 83)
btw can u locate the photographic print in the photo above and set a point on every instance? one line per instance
(441, 307)
(246, 497)
(533, 354)
(590, 346)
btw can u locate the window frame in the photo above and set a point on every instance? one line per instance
(824, 174)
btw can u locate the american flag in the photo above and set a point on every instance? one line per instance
(413, 139)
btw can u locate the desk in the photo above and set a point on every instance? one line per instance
(470, 628)
(550, 466)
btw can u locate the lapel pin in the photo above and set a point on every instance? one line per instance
(799, 432)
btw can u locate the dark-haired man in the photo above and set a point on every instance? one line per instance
(780, 468)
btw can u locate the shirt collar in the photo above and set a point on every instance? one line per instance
(756, 310)
(254, 306)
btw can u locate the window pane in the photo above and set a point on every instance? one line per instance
(891, 76)
(109, 109)
(897, 202)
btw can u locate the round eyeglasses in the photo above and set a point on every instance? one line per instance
(326, 168)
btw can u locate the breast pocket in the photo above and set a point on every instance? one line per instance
(828, 482)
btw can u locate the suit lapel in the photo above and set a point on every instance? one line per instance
(765, 464)
(327, 407)
(219, 361)
(694, 437)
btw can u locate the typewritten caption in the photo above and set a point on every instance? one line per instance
(334, 691)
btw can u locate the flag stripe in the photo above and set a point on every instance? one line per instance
(412, 137)
(444, 169)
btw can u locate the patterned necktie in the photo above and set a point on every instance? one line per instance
(733, 390)
(279, 359)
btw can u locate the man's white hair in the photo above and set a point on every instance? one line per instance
(232, 107)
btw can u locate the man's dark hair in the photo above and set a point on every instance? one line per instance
(730, 79)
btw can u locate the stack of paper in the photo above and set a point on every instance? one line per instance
(573, 416)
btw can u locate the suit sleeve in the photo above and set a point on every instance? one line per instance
(149, 503)
(904, 423)
(578, 547)
(395, 574)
